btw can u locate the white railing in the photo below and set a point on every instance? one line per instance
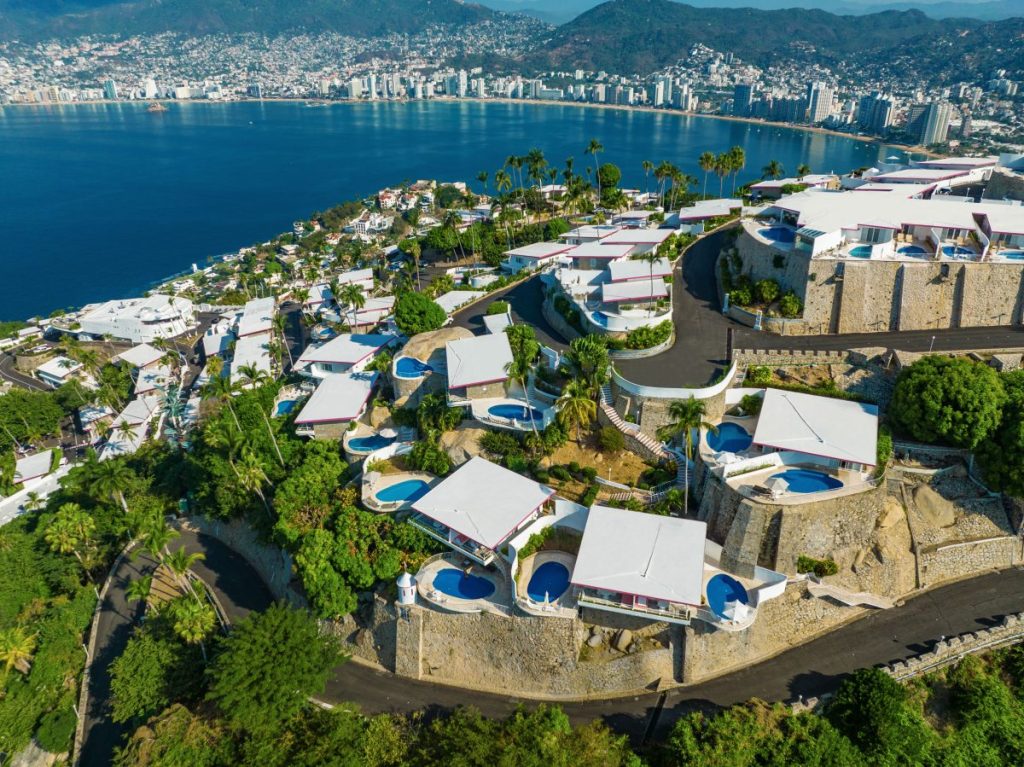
(681, 613)
(665, 392)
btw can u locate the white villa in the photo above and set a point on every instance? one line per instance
(343, 353)
(338, 400)
(257, 317)
(477, 368)
(534, 256)
(58, 370)
(141, 356)
(139, 320)
(478, 508)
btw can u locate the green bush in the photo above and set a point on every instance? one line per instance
(767, 291)
(501, 443)
(820, 567)
(517, 463)
(415, 313)
(790, 305)
(427, 456)
(759, 375)
(56, 729)
(647, 337)
(751, 404)
(541, 476)
(589, 495)
(589, 473)
(574, 467)
(610, 440)
(497, 307)
(883, 449)
(741, 296)
(560, 472)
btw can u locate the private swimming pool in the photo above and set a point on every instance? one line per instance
(515, 412)
(407, 490)
(410, 367)
(955, 251)
(778, 234)
(721, 589)
(730, 438)
(1014, 255)
(861, 251)
(807, 480)
(369, 444)
(548, 582)
(912, 250)
(284, 407)
(456, 583)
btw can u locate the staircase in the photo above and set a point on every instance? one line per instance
(631, 431)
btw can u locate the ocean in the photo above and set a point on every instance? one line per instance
(101, 201)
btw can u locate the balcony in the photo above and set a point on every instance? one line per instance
(453, 540)
(626, 604)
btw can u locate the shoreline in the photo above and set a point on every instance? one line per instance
(910, 150)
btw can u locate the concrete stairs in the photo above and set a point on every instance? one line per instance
(852, 598)
(648, 445)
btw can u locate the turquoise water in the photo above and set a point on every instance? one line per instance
(410, 367)
(721, 589)
(284, 407)
(778, 234)
(406, 490)
(808, 480)
(730, 438)
(861, 251)
(455, 583)
(550, 580)
(112, 198)
(516, 412)
(912, 250)
(368, 444)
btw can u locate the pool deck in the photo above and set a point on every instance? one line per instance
(745, 484)
(370, 489)
(565, 605)
(480, 410)
(498, 602)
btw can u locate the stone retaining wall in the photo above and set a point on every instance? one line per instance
(960, 560)
(557, 321)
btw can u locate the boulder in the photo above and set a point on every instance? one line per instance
(596, 640)
(379, 416)
(622, 640)
(463, 443)
(891, 514)
(936, 510)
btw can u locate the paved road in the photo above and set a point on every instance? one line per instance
(9, 373)
(238, 587)
(954, 339)
(525, 300)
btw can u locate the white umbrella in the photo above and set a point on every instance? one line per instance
(388, 433)
(777, 486)
(725, 458)
(736, 611)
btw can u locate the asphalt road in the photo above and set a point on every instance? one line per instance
(948, 340)
(808, 670)
(10, 373)
(525, 300)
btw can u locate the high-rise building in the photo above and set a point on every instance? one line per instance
(819, 102)
(149, 89)
(965, 125)
(936, 123)
(875, 112)
(462, 84)
(371, 90)
(355, 88)
(742, 98)
(255, 91)
(110, 90)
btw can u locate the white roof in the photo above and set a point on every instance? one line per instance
(539, 250)
(215, 344)
(339, 397)
(620, 271)
(150, 378)
(599, 250)
(635, 290)
(648, 555)
(920, 175)
(140, 356)
(820, 426)
(638, 237)
(590, 232)
(709, 209)
(149, 309)
(88, 414)
(959, 162)
(483, 501)
(378, 305)
(257, 317)
(33, 466)
(252, 350)
(60, 367)
(139, 410)
(453, 299)
(477, 360)
(347, 348)
(496, 323)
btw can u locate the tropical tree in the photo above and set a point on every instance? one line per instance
(525, 349)
(280, 325)
(110, 479)
(180, 562)
(17, 647)
(706, 161)
(482, 178)
(70, 531)
(685, 417)
(192, 620)
(594, 148)
(155, 538)
(803, 169)
(648, 166)
(723, 167)
(139, 589)
(588, 358)
(576, 406)
(252, 476)
(738, 161)
(773, 170)
(650, 258)
(221, 389)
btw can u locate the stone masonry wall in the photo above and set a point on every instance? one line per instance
(1005, 184)
(963, 559)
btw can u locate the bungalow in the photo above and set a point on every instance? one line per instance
(337, 401)
(251, 351)
(453, 300)
(93, 418)
(589, 233)
(33, 466)
(58, 371)
(534, 256)
(480, 507)
(702, 210)
(627, 271)
(772, 188)
(152, 379)
(634, 292)
(141, 356)
(257, 317)
(343, 353)
(597, 255)
(477, 367)
(642, 565)
(128, 430)
(640, 240)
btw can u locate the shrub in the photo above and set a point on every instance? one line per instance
(610, 440)
(497, 307)
(647, 337)
(415, 313)
(741, 296)
(560, 472)
(883, 449)
(574, 467)
(501, 443)
(759, 375)
(790, 305)
(589, 495)
(767, 291)
(820, 567)
(751, 404)
(541, 476)
(517, 463)
(589, 473)
(55, 730)
(427, 456)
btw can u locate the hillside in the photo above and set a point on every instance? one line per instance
(360, 18)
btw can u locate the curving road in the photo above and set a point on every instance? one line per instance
(808, 670)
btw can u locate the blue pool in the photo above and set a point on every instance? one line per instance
(369, 444)
(406, 490)
(861, 251)
(517, 412)
(721, 589)
(284, 407)
(1014, 255)
(778, 234)
(807, 480)
(912, 250)
(955, 251)
(456, 583)
(731, 438)
(410, 367)
(549, 581)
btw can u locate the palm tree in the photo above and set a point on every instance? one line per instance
(576, 407)
(482, 178)
(594, 148)
(280, 324)
(193, 621)
(155, 539)
(222, 390)
(650, 258)
(252, 477)
(723, 166)
(648, 166)
(739, 162)
(519, 370)
(662, 174)
(16, 649)
(352, 295)
(180, 563)
(415, 251)
(502, 181)
(706, 161)
(139, 589)
(685, 416)
(110, 479)
(773, 170)
(803, 169)
(70, 530)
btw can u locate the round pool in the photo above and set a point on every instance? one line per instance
(730, 438)
(722, 589)
(456, 583)
(515, 412)
(548, 582)
(322, 333)
(778, 234)
(406, 490)
(861, 251)
(807, 480)
(410, 367)
(912, 250)
(955, 251)
(284, 407)
(369, 444)
(1014, 255)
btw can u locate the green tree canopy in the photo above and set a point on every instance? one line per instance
(955, 401)
(1002, 454)
(415, 313)
(151, 673)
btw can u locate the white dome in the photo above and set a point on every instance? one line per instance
(406, 581)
